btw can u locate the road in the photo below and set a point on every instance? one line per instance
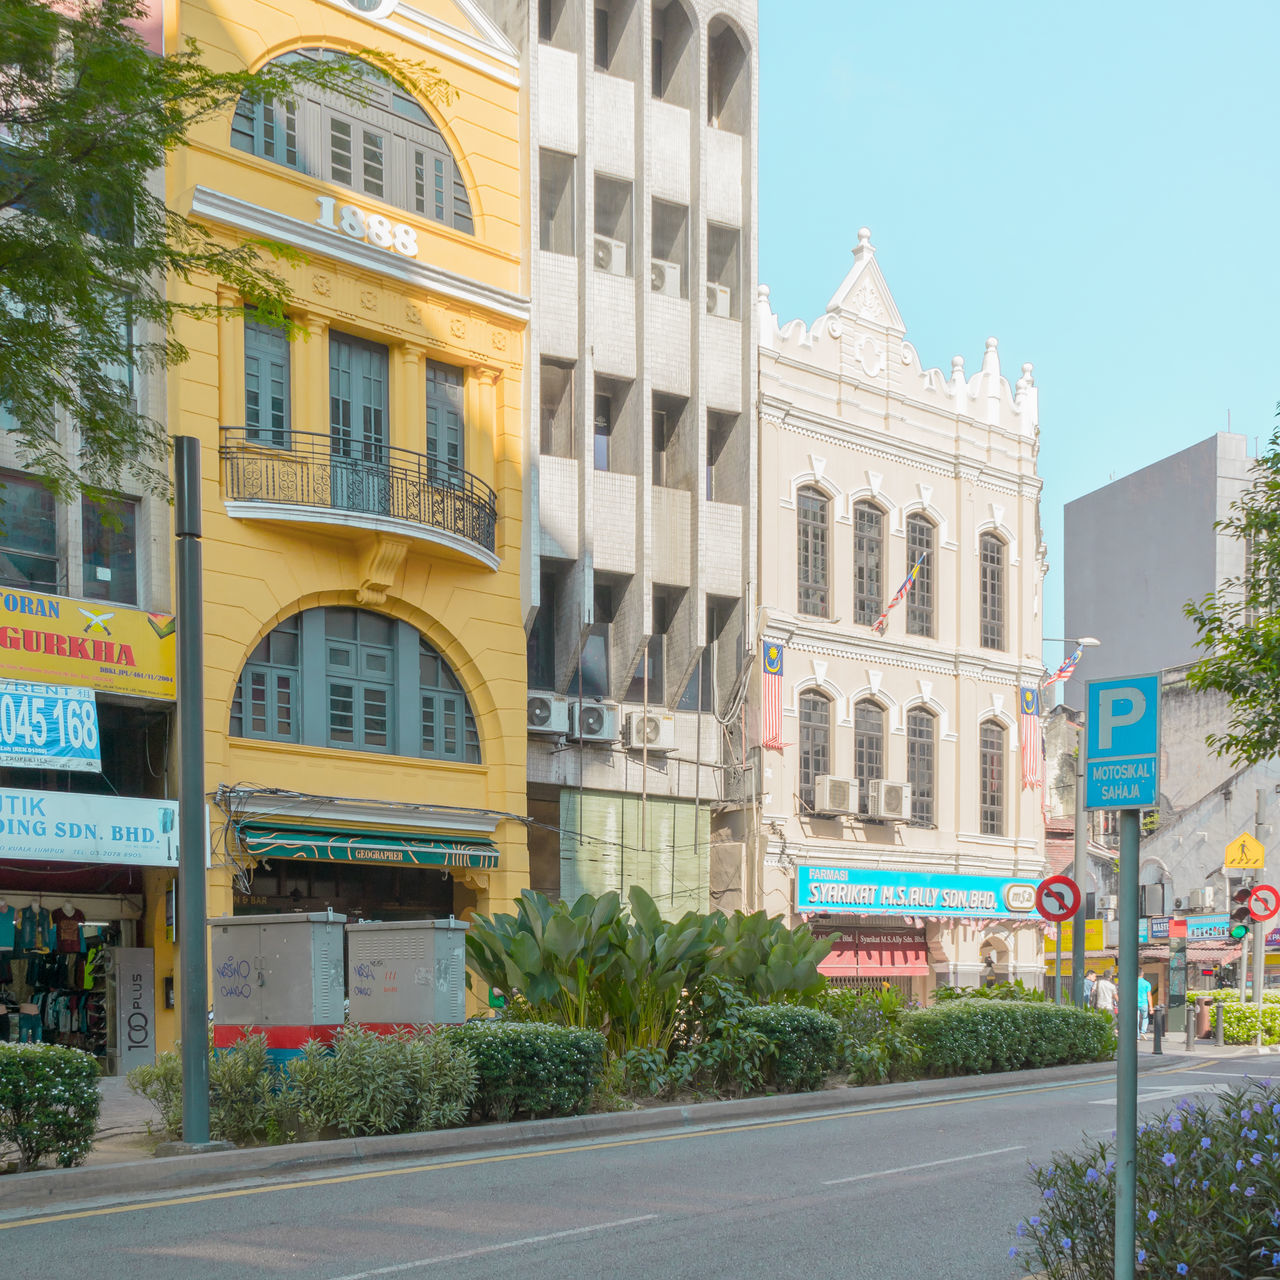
(896, 1192)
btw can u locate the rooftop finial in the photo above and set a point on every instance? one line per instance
(864, 239)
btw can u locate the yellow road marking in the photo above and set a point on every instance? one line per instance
(403, 1170)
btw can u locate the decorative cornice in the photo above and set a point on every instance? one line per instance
(231, 211)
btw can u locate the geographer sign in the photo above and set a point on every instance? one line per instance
(856, 890)
(88, 643)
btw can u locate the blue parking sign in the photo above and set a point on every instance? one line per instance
(1122, 755)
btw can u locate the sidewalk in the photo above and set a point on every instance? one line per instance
(121, 1165)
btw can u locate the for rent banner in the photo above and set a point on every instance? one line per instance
(855, 890)
(48, 726)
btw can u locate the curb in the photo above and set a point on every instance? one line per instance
(55, 1189)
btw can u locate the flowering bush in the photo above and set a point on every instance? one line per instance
(48, 1103)
(1208, 1186)
(969, 1037)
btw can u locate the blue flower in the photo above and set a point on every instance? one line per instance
(1251, 1134)
(1235, 1186)
(1066, 1242)
(1175, 1124)
(1091, 1175)
(1035, 1221)
(1249, 1191)
(1169, 1159)
(1204, 1186)
(1239, 1165)
(1022, 1230)
(1048, 1193)
(1013, 1252)
(1142, 1255)
(1256, 1158)
(1205, 1143)
(1152, 1215)
(1182, 1268)
(1111, 1167)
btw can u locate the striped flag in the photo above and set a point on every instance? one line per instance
(1064, 672)
(1032, 742)
(908, 582)
(771, 682)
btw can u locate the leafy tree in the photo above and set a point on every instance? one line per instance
(88, 115)
(1239, 625)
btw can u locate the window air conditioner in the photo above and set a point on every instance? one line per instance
(651, 732)
(547, 713)
(888, 801)
(834, 796)
(1108, 902)
(1202, 899)
(593, 722)
(719, 300)
(664, 277)
(611, 256)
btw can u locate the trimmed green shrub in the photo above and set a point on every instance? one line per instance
(804, 1045)
(531, 1068)
(160, 1082)
(1240, 1022)
(970, 1037)
(48, 1103)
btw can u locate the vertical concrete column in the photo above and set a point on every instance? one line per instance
(309, 362)
(230, 361)
(409, 406)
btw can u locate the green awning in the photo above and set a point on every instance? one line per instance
(328, 845)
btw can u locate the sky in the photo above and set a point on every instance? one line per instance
(1094, 185)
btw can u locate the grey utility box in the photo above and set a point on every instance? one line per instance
(278, 971)
(407, 972)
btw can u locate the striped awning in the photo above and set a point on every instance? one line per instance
(321, 844)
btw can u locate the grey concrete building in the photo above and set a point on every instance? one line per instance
(640, 457)
(1136, 550)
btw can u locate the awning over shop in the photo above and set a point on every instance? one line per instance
(328, 845)
(878, 953)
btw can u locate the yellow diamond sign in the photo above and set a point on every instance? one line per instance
(1245, 853)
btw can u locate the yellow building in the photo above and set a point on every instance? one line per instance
(364, 648)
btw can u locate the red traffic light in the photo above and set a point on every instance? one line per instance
(1241, 894)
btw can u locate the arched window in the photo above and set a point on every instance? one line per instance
(868, 562)
(920, 542)
(813, 532)
(991, 740)
(358, 680)
(922, 752)
(815, 743)
(377, 140)
(868, 749)
(991, 556)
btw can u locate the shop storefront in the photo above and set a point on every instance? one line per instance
(919, 930)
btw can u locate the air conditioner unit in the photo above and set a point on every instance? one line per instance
(611, 256)
(1202, 899)
(835, 796)
(593, 722)
(1108, 902)
(719, 299)
(888, 801)
(651, 732)
(547, 713)
(664, 277)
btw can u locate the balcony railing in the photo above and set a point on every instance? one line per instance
(310, 469)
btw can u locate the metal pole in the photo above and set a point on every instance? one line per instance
(1079, 871)
(1057, 967)
(1259, 928)
(1244, 968)
(1127, 1052)
(193, 980)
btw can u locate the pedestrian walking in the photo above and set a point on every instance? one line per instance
(1105, 995)
(1145, 1002)
(1090, 981)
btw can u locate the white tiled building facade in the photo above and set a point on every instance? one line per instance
(640, 463)
(866, 460)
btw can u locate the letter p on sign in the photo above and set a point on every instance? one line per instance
(1118, 707)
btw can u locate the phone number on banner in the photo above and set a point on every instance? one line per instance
(45, 726)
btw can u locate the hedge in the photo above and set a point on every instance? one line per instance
(531, 1068)
(804, 1045)
(1240, 1022)
(48, 1103)
(971, 1037)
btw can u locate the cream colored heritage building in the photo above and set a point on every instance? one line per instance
(894, 811)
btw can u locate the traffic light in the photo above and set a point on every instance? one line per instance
(1241, 916)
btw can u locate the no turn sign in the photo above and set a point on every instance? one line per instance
(1264, 901)
(1058, 898)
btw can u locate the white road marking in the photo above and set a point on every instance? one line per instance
(493, 1248)
(1156, 1095)
(906, 1168)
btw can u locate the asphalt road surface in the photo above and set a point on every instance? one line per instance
(899, 1191)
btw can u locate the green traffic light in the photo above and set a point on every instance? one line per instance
(1240, 931)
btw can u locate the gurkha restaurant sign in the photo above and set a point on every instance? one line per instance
(91, 644)
(854, 890)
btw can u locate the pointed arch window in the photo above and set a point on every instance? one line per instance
(355, 680)
(813, 531)
(815, 743)
(376, 139)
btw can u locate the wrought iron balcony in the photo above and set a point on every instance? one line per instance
(360, 482)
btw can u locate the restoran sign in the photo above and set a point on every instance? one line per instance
(855, 889)
(91, 644)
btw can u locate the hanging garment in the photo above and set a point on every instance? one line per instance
(66, 926)
(8, 928)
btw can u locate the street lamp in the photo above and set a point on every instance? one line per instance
(1078, 863)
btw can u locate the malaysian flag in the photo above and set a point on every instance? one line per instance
(771, 682)
(1065, 671)
(1032, 743)
(908, 582)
